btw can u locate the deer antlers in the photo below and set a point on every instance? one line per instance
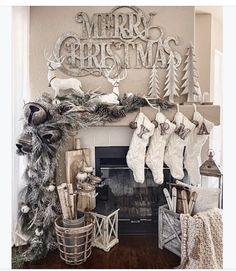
(124, 75)
(117, 79)
(53, 58)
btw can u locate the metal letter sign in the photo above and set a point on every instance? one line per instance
(108, 40)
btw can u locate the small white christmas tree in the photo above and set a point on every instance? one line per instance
(171, 79)
(154, 90)
(190, 78)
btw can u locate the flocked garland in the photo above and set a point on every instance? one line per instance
(43, 136)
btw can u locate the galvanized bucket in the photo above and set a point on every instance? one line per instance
(74, 223)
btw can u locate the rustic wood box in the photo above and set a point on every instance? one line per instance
(169, 230)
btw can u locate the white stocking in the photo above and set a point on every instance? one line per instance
(158, 142)
(175, 147)
(192, 157)
(137, 149)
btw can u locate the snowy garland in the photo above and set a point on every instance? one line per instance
(47, 126)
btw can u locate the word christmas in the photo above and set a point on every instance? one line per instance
(112, 39)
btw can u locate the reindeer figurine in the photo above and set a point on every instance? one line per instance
(111, 98)
(58, 84)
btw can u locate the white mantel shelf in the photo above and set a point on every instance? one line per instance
(210, 112)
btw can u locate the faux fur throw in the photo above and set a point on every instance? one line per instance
(202, 240)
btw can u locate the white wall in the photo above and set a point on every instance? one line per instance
(209, 45)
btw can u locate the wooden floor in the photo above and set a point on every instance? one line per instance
(133, 251)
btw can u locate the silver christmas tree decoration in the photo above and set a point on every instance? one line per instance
(171, 79)
(154, 91)
(191, 85)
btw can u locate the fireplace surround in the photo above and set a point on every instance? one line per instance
(138, 203)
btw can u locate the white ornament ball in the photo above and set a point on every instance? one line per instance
(25, 209)
(38, 232)
(129, 94)
(81, 176)
(88, 169)
(56, 101)
(51, 188)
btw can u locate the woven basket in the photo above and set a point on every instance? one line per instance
(75, 242)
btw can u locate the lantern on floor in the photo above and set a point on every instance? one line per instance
(210, 171)
(105, 228)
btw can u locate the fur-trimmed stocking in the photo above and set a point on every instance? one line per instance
(156, 149)
(197, 138)
(137, 149)
(175, 147)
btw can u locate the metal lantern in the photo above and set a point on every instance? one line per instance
(212, 171)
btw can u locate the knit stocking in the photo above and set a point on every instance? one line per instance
(155, 153)
(137, 149)
(197, 138)
(175, 147)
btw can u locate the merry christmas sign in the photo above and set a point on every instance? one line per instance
(122, 38)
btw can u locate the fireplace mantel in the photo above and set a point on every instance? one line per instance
(210, 112)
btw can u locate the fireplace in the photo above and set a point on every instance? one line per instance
(138, 203)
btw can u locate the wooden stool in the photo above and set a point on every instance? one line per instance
(105, 229)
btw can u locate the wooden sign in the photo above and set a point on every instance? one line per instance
(110, 39)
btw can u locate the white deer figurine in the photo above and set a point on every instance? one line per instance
(112, 98)
(58, 84)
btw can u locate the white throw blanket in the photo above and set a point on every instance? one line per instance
(202, 240)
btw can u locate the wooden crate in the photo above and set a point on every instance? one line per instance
(169, 230)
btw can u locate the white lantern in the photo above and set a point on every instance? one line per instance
(105, 229)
